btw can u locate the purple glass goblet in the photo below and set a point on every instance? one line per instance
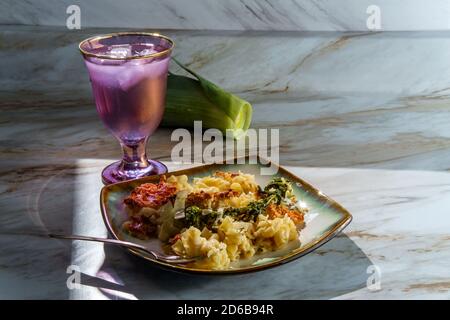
(128, 73)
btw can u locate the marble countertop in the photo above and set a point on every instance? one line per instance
(363, 116)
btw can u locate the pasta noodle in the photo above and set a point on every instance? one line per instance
(236, 239)
(180, 182)
(224, 181)
(273, 234)
(237, 236)
(193, 244)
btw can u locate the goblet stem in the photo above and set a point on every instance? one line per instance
(134, 164)
(134, 158)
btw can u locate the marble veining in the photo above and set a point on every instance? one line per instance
(281, 15)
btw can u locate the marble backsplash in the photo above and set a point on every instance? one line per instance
(377, 100)
(292, 15)
(258, 65)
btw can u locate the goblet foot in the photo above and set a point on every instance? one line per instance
(113, 173)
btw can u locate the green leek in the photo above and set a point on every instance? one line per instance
(189, 100)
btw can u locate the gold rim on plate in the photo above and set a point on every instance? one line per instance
(110, 35)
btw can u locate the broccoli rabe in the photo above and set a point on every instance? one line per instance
(247, 213)
(199, 218)
(279, 188)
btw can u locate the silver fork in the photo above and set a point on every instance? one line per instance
(174, 259)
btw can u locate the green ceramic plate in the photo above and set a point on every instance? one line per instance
(325, 219)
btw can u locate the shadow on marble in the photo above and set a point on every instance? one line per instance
(35, 198)
(337, 268)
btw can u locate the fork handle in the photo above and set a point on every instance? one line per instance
(125, 244)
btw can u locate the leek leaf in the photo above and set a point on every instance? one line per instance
(189, 100)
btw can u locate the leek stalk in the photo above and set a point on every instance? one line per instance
(197, 99)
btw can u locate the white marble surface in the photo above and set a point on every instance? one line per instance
(365, 117)
(400, 225)
(284, 15)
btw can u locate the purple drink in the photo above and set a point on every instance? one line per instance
(128, 74)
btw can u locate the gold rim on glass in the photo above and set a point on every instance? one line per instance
(110, 35)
